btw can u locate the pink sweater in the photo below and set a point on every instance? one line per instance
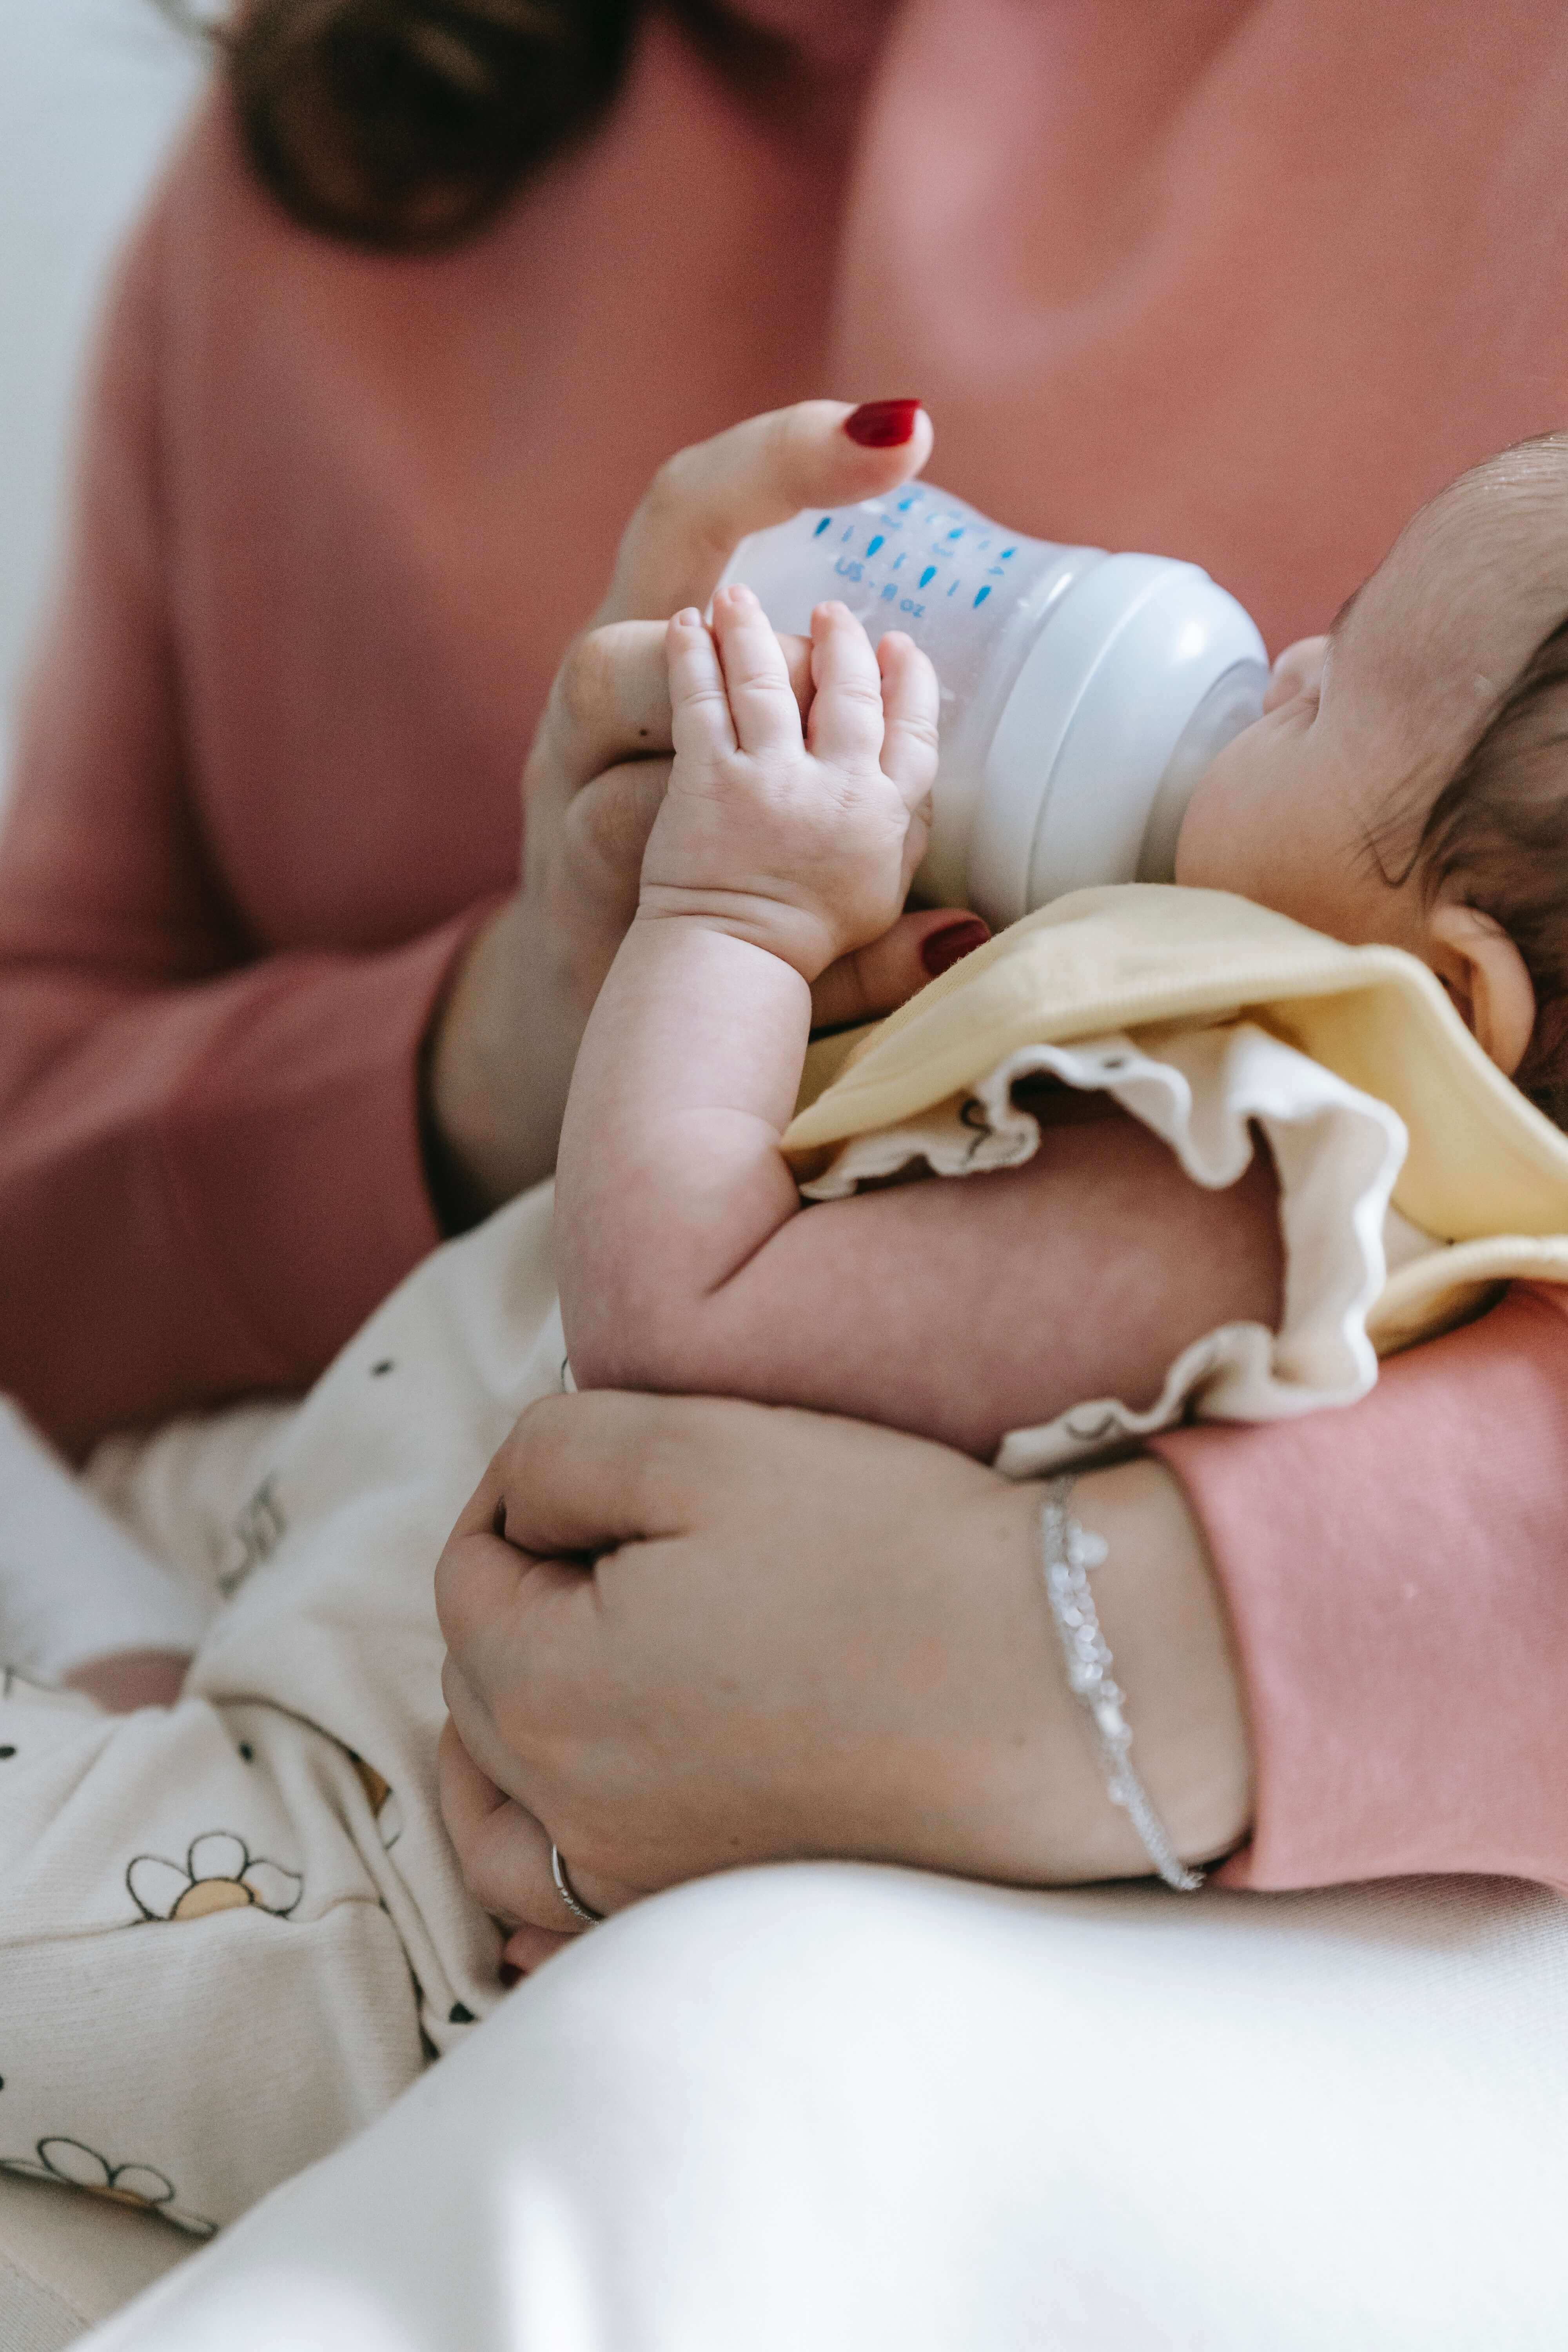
(1394, 1576)
(1244, 288)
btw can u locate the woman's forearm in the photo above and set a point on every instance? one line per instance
(1164, 1621)
(805, 1636)
(498, 1064)
(840, 1643)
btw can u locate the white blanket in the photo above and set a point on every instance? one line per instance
(852, 2109)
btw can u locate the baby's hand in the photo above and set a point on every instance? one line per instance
(804, 845)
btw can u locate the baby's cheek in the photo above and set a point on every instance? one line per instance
(1201, 863)
(1235, 834)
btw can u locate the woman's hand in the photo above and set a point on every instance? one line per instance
(502, 1052)
(686, 1634)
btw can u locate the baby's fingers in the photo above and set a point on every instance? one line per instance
(911, 703)
(845, 724)
(761, 699)
(700, 723)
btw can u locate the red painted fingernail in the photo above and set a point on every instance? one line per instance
(882, 424)
(939, 950)
(509, 1974)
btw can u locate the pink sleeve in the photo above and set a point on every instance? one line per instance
(210, 1164)
(1396, 1579)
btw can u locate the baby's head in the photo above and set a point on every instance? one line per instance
(1408, 781)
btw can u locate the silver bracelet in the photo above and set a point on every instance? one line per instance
(1069, 1552)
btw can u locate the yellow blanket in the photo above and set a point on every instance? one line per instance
(1486, 1172)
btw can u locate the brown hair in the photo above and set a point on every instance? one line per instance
(1499, 830)
(406, 124)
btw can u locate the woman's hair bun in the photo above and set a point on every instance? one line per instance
(407, 123)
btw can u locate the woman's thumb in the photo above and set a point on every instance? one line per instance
(706, 499)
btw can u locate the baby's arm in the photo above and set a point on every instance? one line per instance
(957, 1310)
(772, 855)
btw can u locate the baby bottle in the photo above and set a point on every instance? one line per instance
(1082, 694)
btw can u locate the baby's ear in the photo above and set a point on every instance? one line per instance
(1488, 978)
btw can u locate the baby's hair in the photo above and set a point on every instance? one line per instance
(1498, 834)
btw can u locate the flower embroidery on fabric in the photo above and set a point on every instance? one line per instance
(218, 1875)
(72, 2166)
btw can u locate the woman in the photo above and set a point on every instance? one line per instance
(338, 517)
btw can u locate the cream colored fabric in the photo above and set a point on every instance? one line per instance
(67, 2263)
(1485, 1170)
(180, 1490)
(232, 1931)
(102, 1592)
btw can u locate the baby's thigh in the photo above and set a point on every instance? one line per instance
(203, 1988)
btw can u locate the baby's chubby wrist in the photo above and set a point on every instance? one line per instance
(803, 938)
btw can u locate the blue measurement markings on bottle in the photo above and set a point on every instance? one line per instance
(921, 563)
(853, 568)
(942, 543)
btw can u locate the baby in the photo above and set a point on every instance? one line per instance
(1407, 785)
(233, 1926)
